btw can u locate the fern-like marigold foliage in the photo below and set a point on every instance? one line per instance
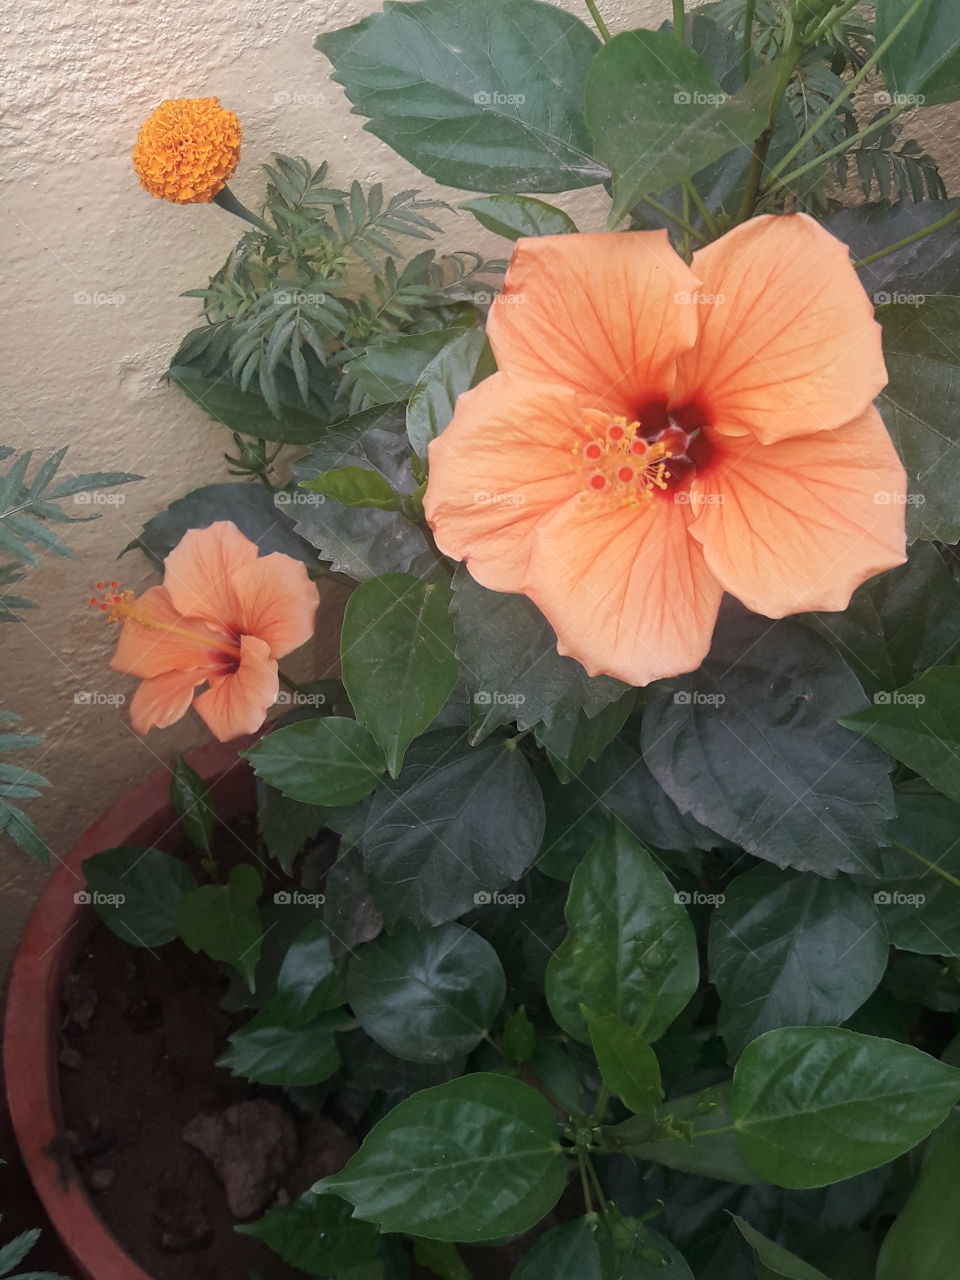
(187, 149)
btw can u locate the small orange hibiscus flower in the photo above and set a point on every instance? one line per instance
(658, 434)
(223, 617)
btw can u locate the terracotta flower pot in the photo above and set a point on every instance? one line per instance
(57, 929)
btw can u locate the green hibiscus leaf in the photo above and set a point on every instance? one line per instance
(631, 949)
(459, 823)
(920, 726)
(460, 365)
(475, 1159)
(789, 950)
(319, 1236)
(658, 115)
(923, 63)
(138, 893)
(222, 920)
(693, 1134)
(773, 1261)
(815, 1105)
(517, 216)
(269, 1051)
(568, 1252)
(921, 407)
(917, 884)
(364, 542)
(627, 1063)
(459, 91)
(329, 760)
(804, 793)
(899, 624)
(426, 996)
(398, 660)
(924, 1242)
(511, 665)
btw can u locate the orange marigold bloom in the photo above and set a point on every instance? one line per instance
(658, 434)
(187, 150)
(223, 617)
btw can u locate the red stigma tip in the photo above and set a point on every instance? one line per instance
(100, 586)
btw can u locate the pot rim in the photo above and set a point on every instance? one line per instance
(57, 927)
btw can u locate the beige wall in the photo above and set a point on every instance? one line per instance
(81, 78)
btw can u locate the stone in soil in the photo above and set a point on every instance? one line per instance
(252, 1146)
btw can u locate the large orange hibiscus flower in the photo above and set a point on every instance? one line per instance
(223, 617)
(658, 434)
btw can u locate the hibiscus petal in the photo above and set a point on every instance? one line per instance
(503, 463)
(198, 572)
(800, 524)
(238, 703)
(626, 589)
(277, 602)
(607, 314)
(147, 650)
(162, 700)
(790, 344)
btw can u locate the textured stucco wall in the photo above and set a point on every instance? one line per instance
(77, 81)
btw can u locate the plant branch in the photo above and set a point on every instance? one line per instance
(842, 98)
(834, 151)
(946, 221)
(598, 20)
(691, 190)
(932, 866)
(682, 223)
(679, 19)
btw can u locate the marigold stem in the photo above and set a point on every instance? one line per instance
(228, 201)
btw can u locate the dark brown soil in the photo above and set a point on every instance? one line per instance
(142, 1032)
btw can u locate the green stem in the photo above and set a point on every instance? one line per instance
(909, 240)
(679, 19)
(748, 16)
(585, 1184)
(845, 145)
(931, 866)
(603, 1097)
(842, 98)
(673, 217)
(601, 1198)
(599, 22)
(761, 148)
(228, 201)
(687, 238)
(697, 198)
(831, 20)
